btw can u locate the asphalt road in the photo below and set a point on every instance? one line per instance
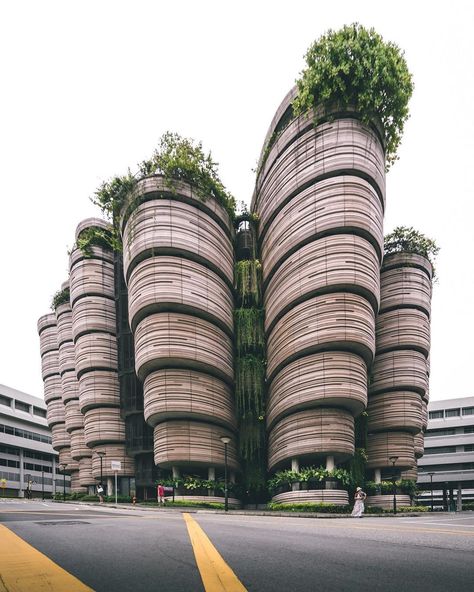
(137, 550)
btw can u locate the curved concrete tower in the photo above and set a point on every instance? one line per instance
(81, 478)
(178, 264)
(399, 388)
(92, 299)
(320, 197)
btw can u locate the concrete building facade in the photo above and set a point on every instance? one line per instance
(28, 461)
(447, 467)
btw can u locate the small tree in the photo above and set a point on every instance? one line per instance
(408, 240)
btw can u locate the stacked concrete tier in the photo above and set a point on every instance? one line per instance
(93, 330)
(70, 395)
(400, 373)
(55, 413)
(178, 264)
(320, 197)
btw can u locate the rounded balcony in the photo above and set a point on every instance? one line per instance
(79, 449)
(343, 146)
(399, 370)
(64, 319)
(76, 486)
(395, 410)
(405, 287)
(66, 357)
(338, 497)
(50, 364)
(103, 425)
(383, 445)
(339, 205)
(91, 276)
(45, 321)
(70, 386)
(65, 458)
(193, 444)
(55, 412)
(52, 388)
(316, 324)
(330, 264)
(113, 452)
(95, 351)
(329, 379)
(93, 314)
(85, 471)
(187, 394)
(407, 260)
(98, 388)
(175, 339)
(60, 438)
(48, 339)
(410, 474)
(310, 436)
(403, 328)
(172, 227)
(91, 223)
(174, 283)
(419, 443)
(74, 418)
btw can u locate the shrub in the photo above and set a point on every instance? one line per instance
(468, 506)
(408, 240)
(355, 66)
(322, 507)
(61, 297)
(412, 509)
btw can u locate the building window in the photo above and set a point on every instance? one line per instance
(39, 412)
(5, 401)
(436, 414)
(468, 410)
(24, 434)
(452, 412)
(469, 448)
(469, 430)
(440, 450)
(22, 406)
(445, 432)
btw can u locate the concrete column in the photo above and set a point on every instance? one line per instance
(110, 486)
(295, 466)
(21, 492)
(176, 472)
(459, 498)
(232, 477)
(211, 474)
(378, 475)
(53, 484)
(330, 463)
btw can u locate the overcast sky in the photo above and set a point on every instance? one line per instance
(87, 89)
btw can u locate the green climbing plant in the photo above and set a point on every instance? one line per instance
(404, 239)
(61, 297)
(248, 278)
(95, 237)
(249, 334)
(354, 66)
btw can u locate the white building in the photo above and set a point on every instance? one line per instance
(27, 459)
(449, 453)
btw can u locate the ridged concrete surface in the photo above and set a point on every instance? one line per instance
(95, 351)
(383, 445)
(403, 328)
(59, 436)
(194, 443)
(74, 418)
(112, 452)
(339, 497)
(79, 449)
(386, 501)
(103, 425)
(330, 264)
(311, 433)
(99, 388)
(395, 410)
(330, 379)
(316, 324)
(400, 370)
(93, 313)
(168, 339)
(187, 394)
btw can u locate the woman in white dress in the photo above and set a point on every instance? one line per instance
(359, 498)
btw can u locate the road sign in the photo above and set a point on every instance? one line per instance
(116, 465)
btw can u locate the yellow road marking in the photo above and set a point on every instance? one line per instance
(215, 573)
(24, 569)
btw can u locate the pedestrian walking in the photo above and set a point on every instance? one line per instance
(359, 499)
(161, 494)
(100, 493)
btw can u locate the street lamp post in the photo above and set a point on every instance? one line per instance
(42, 482)
(225, 441)
(63, 467)
(431, 481)
(393, 460)
(101, 455)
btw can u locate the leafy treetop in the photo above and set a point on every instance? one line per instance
(356, 67)
(177, 159)
(61, 297)
(408, 240)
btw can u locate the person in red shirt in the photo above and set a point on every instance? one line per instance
(161, 494)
